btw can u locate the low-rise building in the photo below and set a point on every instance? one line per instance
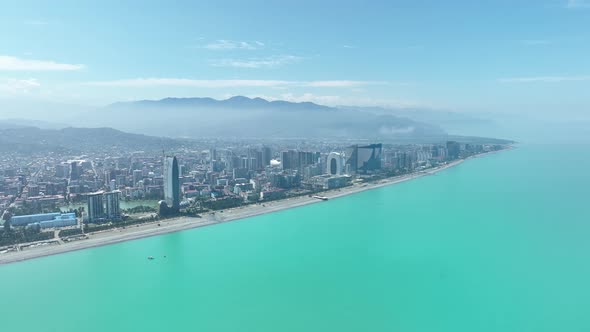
(327, 182)
(45, 220)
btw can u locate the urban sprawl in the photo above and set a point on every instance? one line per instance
(62, 197)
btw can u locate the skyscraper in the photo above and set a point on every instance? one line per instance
(95, 207)
(285, 161)
(259, 160)
(111, 200)
(364, 159)
(62, 170)
(171, 183)
(453, 149)
(137, 176)
(290, 159)
(335, 164)
(266, 156)
(74, 170)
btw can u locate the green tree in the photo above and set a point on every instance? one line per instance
(6, 216)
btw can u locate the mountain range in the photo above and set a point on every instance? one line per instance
(256, 117)
(243, 117)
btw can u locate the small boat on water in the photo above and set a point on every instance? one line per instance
(150, 257)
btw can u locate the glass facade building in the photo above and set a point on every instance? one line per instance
(363, 159)
(171, 183)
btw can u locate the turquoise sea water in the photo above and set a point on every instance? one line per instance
(500, 243)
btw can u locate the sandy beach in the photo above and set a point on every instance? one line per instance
(183, 223)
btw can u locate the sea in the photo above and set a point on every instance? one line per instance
(498, 243)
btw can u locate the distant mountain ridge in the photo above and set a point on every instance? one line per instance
(256, 117)
(78, 140)
(241, 116)
(24, 123)
(236, 101)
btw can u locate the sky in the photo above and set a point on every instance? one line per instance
(530, 58)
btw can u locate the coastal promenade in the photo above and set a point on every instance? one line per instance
(118, 235)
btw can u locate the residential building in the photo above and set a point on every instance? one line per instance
(95, 207)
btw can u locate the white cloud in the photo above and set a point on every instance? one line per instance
(546, 79)
(10, 63)
(150, 82)
(254, 63)
(224, 44)
(574, 4)
(14, 86)
(310, 97)
(389, 130)
(341, 84)
(338, 100)
(182, 82)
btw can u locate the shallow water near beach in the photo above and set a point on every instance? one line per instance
(498, 243)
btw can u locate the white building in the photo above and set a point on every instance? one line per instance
(111, 200)
(335, 164)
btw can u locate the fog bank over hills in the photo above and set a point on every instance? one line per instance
(242, 117)
(257, 117)
(451, 122)
(77, 141)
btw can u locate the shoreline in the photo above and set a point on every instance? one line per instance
(118, 235)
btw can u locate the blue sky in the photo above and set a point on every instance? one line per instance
(474, 56)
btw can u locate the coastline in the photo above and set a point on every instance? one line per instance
(172, 225)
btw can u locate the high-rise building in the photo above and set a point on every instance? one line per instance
(266, 156)
(75, 170)
(171, 183)
(244, 162)
(259, 160)
(352, 159)
(453, 150)
(364, 159)
(62, 170)
(285, 161)
(108, 176)
(137, 176)
(290, 159)
(335, 164)
(121, 180)
(434, 151)
(95, 207)
(111, 200)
